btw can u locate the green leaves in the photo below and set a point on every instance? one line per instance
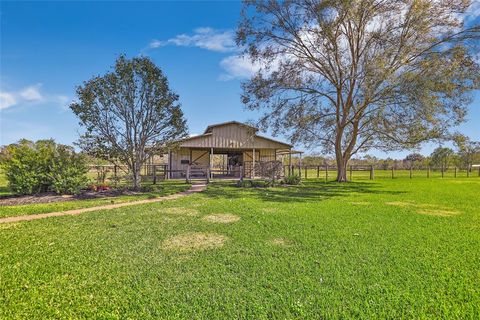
(349, 76)
(33, 167)
(129, 113)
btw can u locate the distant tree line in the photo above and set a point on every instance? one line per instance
(466, 154)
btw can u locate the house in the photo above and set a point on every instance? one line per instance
(229, 149)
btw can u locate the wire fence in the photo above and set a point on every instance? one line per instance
(372, 172)
(118, 175)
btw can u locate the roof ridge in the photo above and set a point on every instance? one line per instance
(230, 122)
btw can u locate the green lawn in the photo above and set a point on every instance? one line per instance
(374, 250)
(162, 189)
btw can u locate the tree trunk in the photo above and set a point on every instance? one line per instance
(137, 179)
(341, 169)
(340, 159)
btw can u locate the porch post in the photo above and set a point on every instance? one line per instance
(211, 163)
(290, 162)
(253, 164)
(169, 173)
(300, 166)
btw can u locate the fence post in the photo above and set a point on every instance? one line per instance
(455, 174)
(326, 172)
(351, 173)
(208, 175)
(154, 174)
(305, 172)
(371, 172)
(318, 171)
(468, 171)
(442, 170)
(410, 172)
(241, 173)
(393, 175)
(115, 174)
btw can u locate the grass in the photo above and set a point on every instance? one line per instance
(163, 188)
(367, 249)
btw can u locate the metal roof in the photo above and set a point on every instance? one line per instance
(209, 128)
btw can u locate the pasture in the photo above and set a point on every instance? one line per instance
(368, 249)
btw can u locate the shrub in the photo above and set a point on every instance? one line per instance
(254, 184)
(244, 183)
(292, 179)
(34, 167)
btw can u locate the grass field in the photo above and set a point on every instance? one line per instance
(374, 249)
(163, 188)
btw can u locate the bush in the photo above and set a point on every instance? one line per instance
(292, 179)
(34, 167)
(254, 184)
(244, 183)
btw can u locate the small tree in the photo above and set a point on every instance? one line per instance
(442, 157)
(413, 158)
(129, 114)
(468, 150)
(349, 76)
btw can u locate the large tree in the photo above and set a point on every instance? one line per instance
(348, 76)
(129, 114)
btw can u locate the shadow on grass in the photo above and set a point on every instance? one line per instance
(311, 191)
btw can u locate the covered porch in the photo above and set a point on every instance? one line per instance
(228, 150)
(221, 163)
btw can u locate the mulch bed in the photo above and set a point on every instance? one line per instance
(52, 197)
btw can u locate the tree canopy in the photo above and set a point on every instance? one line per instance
(349, 76)
(129, 114)
(442, 157)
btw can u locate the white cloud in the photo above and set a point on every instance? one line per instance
(238, 67)
(204, 37)
(155, 43)
(30, 95)
(6, 100)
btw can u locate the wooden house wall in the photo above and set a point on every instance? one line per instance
(232, 136)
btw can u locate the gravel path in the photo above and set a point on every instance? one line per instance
(194, 189)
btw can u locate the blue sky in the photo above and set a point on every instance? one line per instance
(48, 48)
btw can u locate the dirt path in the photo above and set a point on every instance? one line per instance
(194, 189)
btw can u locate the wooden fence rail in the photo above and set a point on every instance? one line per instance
(117, 174)
(371, 172)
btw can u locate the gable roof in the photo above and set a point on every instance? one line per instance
(226, 138)
(210, 127)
